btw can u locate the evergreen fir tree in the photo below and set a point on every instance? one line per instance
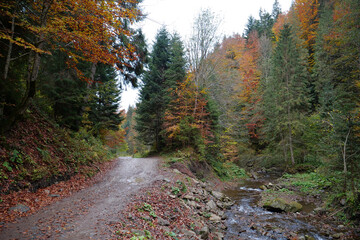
(104, 103)
(286, 99)
(150, 110)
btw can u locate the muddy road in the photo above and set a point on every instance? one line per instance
(87, 213)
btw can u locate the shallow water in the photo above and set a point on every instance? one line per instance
(248, 221)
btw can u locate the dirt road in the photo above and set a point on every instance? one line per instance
(85, 214)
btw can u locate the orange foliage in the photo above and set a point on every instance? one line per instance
(187, 107)
(249, 85)
(307, 12)
(84, 29)
(279, 24)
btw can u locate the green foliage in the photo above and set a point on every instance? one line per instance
(7, 166)
(171, 234)
(153, 214)
(146, 207)
(228, 170)
(311, 183)
(285, 97)
(175, 190)
(150, 110)
(182, 186)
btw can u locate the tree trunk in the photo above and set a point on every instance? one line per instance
(8, 57)
(6, 69)
(32, 73)
(344, 160)
(290, 146)
(284, 148)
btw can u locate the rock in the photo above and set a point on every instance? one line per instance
(138, 232)
(189, 197)
(193, 204)
(215, 218)
(204, 232)
(343, 202)
(202, 184)
(217, 195)
(341, 227)
(166, 180)
(147, 218)
(163, 222)
(195, 181)
(176, 171)
(218, 236)
(319, 210)
(254, 175)
(337, 235)
(224, 205)
(188, 234)
(307, 237)
(54, 195)
(46, 191)
(282, 205)
(263, 187)
(166, 229)
(20, 208)
(211, 206)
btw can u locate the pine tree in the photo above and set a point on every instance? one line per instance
(176, 71)
(150, 110)
(285, 96)
(105, 98)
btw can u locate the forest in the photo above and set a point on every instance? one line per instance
(285, 93)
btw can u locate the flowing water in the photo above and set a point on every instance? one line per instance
(246, 220)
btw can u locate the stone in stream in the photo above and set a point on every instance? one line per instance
(282, 205)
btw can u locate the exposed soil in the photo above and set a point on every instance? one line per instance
(87, 213)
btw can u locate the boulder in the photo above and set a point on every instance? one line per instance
(217, 195)
(189, 197)
(215, 218)
(188, 234)
(218, 236)
(211, 206)
(224, 205)
(204, 232)
(282, 205)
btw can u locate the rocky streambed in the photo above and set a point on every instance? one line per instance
(263, 210)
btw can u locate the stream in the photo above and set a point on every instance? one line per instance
(246, 220)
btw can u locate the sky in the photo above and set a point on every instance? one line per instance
(178, 16)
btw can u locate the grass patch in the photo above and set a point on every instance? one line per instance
(310, 183)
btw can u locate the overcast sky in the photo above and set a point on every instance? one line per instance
(178, 15)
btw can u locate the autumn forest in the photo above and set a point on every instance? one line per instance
(283, 94)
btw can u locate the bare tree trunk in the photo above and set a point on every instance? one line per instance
(284, 148)
(343, 150)
(6, 69)
(290, 146)
(8, 57)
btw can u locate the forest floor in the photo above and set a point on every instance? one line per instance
(84, 214)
